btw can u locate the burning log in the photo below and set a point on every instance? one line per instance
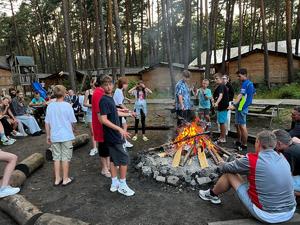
(187, 156)
(202, 158)
(177, 157)
(161, 147)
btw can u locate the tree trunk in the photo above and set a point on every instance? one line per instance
(266, 55)
(119, 38)
(226, 34)
(199, 32)
(276, 26)
(15, 27)
(186, 35)
(110, 33)
(97, 35)
(213, 14)
(68, 42)
(297, 31)
(167, 39)
(230, 30)
(102, 36)
(240, 33)
(208, 49)
(142, 34)
(128, 47)
(289, 40)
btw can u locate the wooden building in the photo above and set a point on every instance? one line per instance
(253, 61)
(158, 77)
(5, 74)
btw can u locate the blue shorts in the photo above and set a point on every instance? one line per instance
(242, 193)
(240, 117)
(222, 116)
(296, 183)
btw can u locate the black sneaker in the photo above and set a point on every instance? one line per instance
(237, 144)
(242, 149)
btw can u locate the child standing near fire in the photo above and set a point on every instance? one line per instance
(140, 91)
(204, 96)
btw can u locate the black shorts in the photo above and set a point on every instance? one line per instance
(118, 154)
(103, 149)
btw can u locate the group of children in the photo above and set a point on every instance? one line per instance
(220, 100)
(107, 115)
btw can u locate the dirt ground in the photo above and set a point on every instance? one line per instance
(89, 199)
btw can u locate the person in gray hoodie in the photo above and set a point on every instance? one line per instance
(268, 193)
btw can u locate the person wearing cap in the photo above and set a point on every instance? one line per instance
(183, 99)
(241, 104)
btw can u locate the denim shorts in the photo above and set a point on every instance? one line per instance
(242, 193)
(88, 115)
(222, 116)
(296, 183)
(240, 117)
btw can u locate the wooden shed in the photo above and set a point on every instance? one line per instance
(158, 77)
(5, 74)
(253, 61)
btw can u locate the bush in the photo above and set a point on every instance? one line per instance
(288, 91)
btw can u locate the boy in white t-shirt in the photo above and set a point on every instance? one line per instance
(59, 122)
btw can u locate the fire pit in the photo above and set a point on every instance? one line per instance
(191, 158)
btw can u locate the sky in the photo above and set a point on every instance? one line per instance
(5, 6)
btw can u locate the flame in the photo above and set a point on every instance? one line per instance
(190, 130)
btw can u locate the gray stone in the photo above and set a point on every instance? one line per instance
(187, 179)
(193, 182)
(161, 179)
(139, 165)
(155, 174)
(150, 161)
(213, 176)
(163, 161)
(173, 180)
(164, 170)
(146, 170)
(203, 180)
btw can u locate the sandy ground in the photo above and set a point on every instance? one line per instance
(89, 199)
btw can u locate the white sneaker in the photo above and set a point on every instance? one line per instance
(17, 134)
(12, 140)
(114, 188)
(6, 141)
(93, 152)
(128, 144)
(7, 191)
(125, 190)
(206, 196)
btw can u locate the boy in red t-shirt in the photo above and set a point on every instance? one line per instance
(98, 129)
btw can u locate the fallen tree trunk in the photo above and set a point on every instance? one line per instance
(25, 168)
(24, 213)
(48, 218)
(79, 141)
(18, 208)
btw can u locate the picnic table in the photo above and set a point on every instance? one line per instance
(267, 108)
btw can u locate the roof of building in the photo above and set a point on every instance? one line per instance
(25, 61)
(4, 63)
(244, 49)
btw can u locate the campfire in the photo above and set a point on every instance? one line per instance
(192, 141)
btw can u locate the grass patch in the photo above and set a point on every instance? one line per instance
(287, 91)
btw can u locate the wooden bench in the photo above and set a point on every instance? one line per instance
(273, 113)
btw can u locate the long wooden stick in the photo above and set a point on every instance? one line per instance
(175, 142)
